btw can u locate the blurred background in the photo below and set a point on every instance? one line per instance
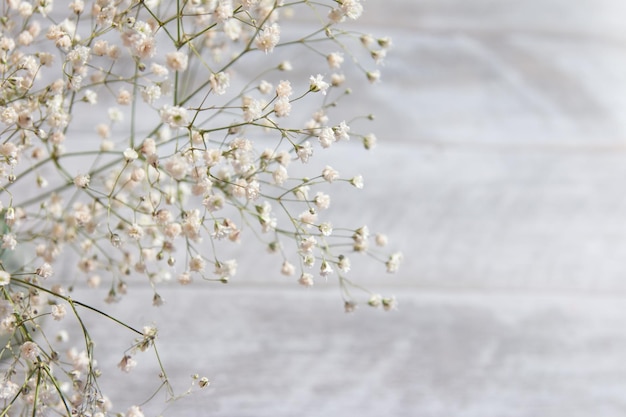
(501, 174)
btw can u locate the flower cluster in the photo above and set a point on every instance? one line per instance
(136, 143)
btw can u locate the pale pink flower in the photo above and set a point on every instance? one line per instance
(127, 363)
(30, 351)
(82, 180)
(176, 61)
(306, 279)
(334, 60)
(58, 312)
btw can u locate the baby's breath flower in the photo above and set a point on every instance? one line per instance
(268, 38)
(344, 264)
(369, 141)
(322, 200)
(30, 351)
(130, 155)
(284, 89)
(306, 279)
(45, 270)
(127, 363)
(184, 278)
(357, 181)
(134, 411)
(375, 300)
(176, 61)
(58, 311)
(389, 303)
(381, 240)
(326, 229)
(5, 278)
(282, 107)
(174, 116)
(285, 66)
(135, 231)
(373, 76)
(326, 137)
(393, 263)
(317, 83)
(287, 268)
(219, 82)
(82, 180)
(334, 60)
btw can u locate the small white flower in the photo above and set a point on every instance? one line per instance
(127, 363)
(219, 82)
(130, 155)
(329, 174)
(174, 116)
(5, 278)
(317, 83)
(334, 60)
(58, 312)
(284, 89)
(30, 351)
(287, 269)
(357, 181)
(176, 61)
(268, 38)
(306, 279)
(82, 180)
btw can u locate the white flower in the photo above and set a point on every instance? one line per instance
(82, 180)
(341, 131)
(284, 89)
(58, 312)
(329, 174)
(127, 363)
(306, 279)
(369, 141)
(287, 269)
(5, 278)
(135, 231)
(282, 107)
(219, 82)
(317, 83)
(268, 38)
(325, 269)
(45, 270)
(321, 200)
(130, 155)
(393, 263)
(30, 351)
(326, 137)
(326, 229)
(177, 167)
(176, 61)
(174, 116)
(304, 151)
(184, 278)
(134, 411)
(334, 60)
(357, 181)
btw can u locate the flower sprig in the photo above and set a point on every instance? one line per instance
(141, 138)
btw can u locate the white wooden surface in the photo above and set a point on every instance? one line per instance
(501, 173)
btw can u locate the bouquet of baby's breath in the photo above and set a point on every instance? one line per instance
(143, 137)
